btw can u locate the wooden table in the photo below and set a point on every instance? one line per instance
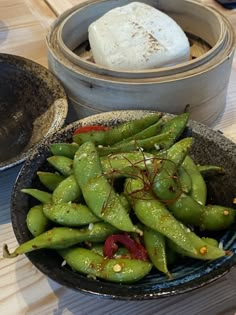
(25, 290)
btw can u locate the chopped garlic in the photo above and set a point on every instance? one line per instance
(156, 146)
(63, 263)
(90, 227)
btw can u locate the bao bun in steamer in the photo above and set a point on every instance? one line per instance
(198, 86)
(137, 36)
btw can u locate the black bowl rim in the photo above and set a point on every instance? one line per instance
(29, 64)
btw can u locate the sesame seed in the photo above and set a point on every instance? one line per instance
(117, 268)
(203, 250)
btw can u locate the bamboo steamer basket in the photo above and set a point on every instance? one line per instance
(198, 86)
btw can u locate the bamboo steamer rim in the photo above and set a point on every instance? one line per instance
(124, 81)
(223, 51)
(153, 80)
(54, 49)
(93, 76)
(157, 72)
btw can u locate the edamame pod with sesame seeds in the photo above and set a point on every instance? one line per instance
(67, 191)
(211, 217)
(126, 164)
(69, 214)
(63, 237)
(40, 195)
(62, 164)
(216, 218)
(153, 214)
(134, 145)
(37, 222)
(184, 179)
(205, 251)
(175, 127)
(64, 149)
(50, 180)
(117, 133)
(148, 132)
(164, 185)
(121, 270)
(98, 193)
(199, 189)
(155, 244)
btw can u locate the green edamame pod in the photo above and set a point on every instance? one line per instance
(99, 195)
(216, 218)
(105, 204)
(63, 237)
(205, 251)
(199, 189)
(36, 221)
(148, 132)
(64, 149)
(146, 145)
(40, 195)
(97, 248)
(164, 186)
(177, 154)
(126, 164)
(68, 190)
(187, 210)
(50, 180)
(62, 164)
(154, 214)
(156, 248)
(117, 133)
(211, 241)
(175, 126)
(69, 214)
(121, 252)
(211, 217)
(121, 270)
(184, 179)
(210, 170)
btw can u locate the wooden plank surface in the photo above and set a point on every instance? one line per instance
(25, 290)
(58, 7)
(23, 27)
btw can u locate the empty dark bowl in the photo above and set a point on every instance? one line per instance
(210, 147)
(33, 105)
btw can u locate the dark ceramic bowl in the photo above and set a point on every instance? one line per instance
(33, 105)
(209, 147)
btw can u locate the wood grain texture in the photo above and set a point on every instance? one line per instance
(58, 7)
(23, 27)
(25, 290)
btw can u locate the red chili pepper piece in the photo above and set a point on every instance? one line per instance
(136, 249)
(90, 128)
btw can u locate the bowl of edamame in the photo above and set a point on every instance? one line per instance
(129, 205)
